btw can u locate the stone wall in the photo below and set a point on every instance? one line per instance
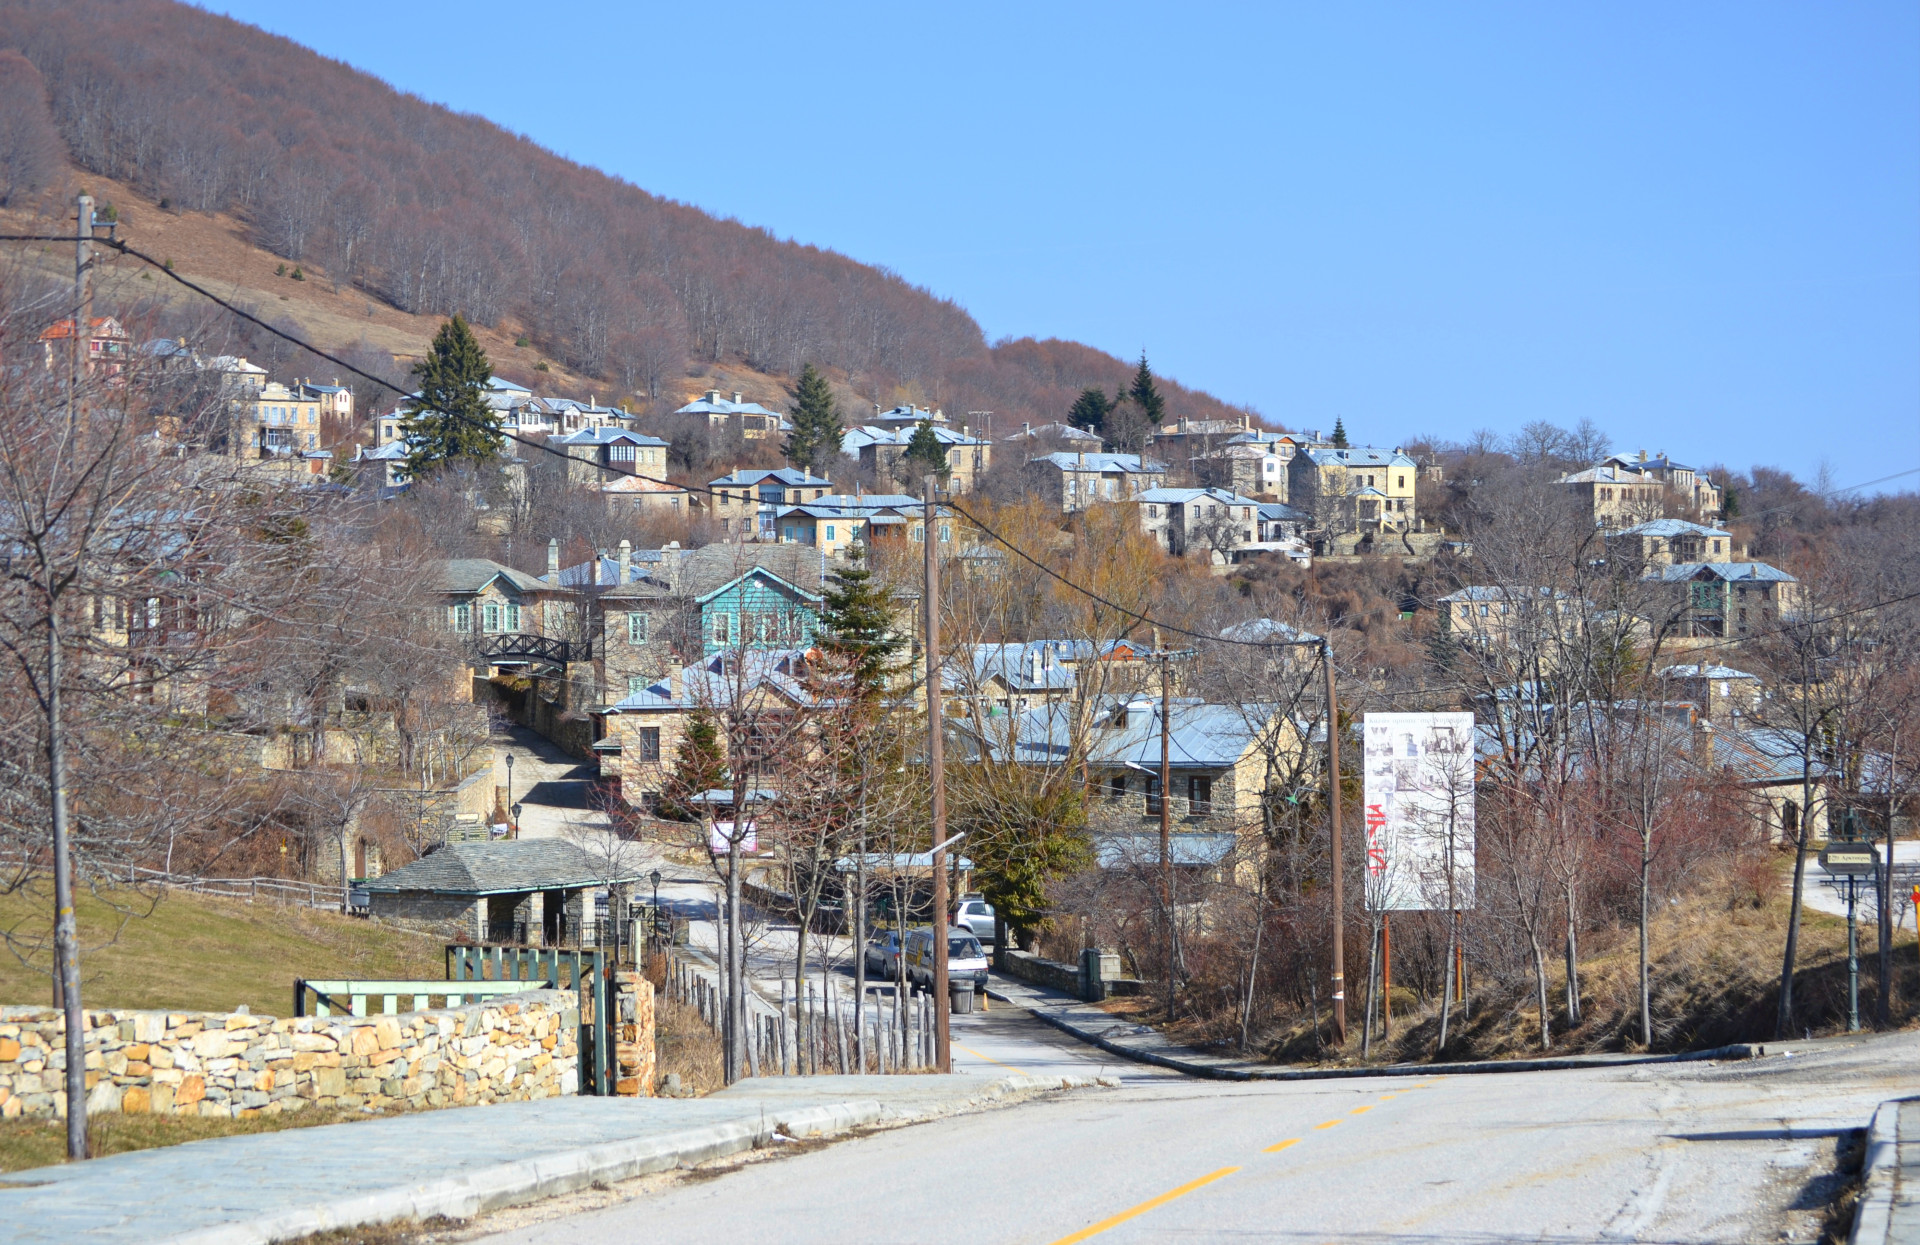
(221, 1064)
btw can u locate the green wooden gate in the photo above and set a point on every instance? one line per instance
(589, 973)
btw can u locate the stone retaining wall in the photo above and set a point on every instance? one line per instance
(1044, 972)
(235, 1064)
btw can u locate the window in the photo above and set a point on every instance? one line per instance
(1153, 793)
(649, 743)
(513, 616)
(636, 628)
(917, 537)
(1484, 611)
(1117, 786)
(830, 535)
(1199, 795)
(1706, 596)
(946, 532)
(620, 453)
(1400, 482)
(723, 628)
(1153, 512)
(490, 617)
(636, 683)
(460, 617)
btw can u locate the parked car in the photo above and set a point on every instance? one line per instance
(966, 960)
(883, 956)
(977, 915)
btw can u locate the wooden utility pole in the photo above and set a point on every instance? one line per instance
(1339, 894)
(936, 772)
(1166, 817)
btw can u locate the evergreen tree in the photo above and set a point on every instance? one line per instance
(1144, 394)
(449, 419)
(925, 450)
(1339, 433)
(1090, 411)
(817, 431)
(856, 625)
(700, 764)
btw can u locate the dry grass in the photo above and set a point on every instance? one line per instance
(194, 953)
(28, 1143)
(684, 1044)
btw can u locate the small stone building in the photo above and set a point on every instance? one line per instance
(538, 892)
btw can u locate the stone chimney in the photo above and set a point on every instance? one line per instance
(713, 396)
(736, 398)
(1026, 430)
(1035, 676)
(626, 560)
(553, 559)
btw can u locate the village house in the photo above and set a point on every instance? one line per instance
(1185, 440)
(1206, 521)
(840, 520)
(994, 680)
(1065, 436)
(1690, 489)
(534, 892)
(597, 452)
(755, 422)
(747, 501)
(880, 450)
(1617, 496)
(1490, 616)
(1078, 479)
(1727, 598)
(1720, 693)
(638, 737)
(334, 401)
(1354, 489)
(1282, 528)
(1254, 463)
(1663, 542)
(637, 497)
(108, 345)
(277, 421)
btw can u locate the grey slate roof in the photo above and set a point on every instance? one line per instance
(500, 868)
(473, 574)
(1732, 572)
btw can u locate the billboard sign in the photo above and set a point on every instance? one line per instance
(1418, 794)
(721, 834)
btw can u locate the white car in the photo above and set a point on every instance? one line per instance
(966, 961)
(976, 915)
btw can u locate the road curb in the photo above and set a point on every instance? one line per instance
(1873, 1214)
(548, 1175)
(1216, 1072)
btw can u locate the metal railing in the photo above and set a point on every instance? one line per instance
(349, 998)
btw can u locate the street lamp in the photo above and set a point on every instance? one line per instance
(515, 812)
(656, 902)
(509, 777)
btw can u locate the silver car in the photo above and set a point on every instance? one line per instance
(976, 914)
(966, 961)
(883, 956)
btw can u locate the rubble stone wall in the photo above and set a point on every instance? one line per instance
(235, 1064)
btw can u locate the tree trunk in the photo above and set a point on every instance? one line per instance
(1573, 961)
(1783, 1018)
(1646, 980)
(736, 963)
(1540, 990)
(1446, 983)
(66, 933)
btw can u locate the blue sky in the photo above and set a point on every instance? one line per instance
(1697, 225)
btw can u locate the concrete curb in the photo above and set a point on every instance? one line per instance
(548, 1175)
(1879, 1177)
(1249, 1072)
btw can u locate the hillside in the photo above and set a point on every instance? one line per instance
(234, 151)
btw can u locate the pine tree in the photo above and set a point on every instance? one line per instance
(926, 450)
(1090, 411)
(856, 625)
(1144, 394)
(699, 765)
(1339, 433)
(448, 419)
(817, 431)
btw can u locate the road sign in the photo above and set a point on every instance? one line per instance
(1419, 788)
(1849, 859)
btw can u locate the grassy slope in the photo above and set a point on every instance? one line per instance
(198, 954)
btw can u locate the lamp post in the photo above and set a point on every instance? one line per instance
(655, 875)
(510, 779)
(514, 812)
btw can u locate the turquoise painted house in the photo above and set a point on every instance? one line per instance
(758, 610)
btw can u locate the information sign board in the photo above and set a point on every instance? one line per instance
(1418, 793)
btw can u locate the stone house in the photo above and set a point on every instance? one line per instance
(1617, 496)
(1208, 522)
(599, 452)
(1488, 616)
(1720, 693)
(1663, 542)
(881, 451)
(481, 598)
(278, 421)
(538, 892)
(1079, 479)
(1691, 489)
(1354, 489)
(839, 520)
(636, 497)
(638, 737)
(747, 501)
(755, 422)
(1253, 463)
(1727, 598)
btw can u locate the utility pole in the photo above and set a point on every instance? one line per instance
(1166, 817)
(936, 771)
(1333, 805)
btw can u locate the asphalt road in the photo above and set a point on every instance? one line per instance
(1689, 1152)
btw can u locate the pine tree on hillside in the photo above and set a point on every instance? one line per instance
(448, 419)
(1339, 433)
(1090, 411)
(925, 450)
(699, 765)
(856, 625)
(1144, 394)
(817, 430)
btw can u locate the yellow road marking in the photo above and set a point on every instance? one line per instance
(1279, 1146)
(1357, 1110)
(1144, 1207)
(977, 1055)
(1328, 1124)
